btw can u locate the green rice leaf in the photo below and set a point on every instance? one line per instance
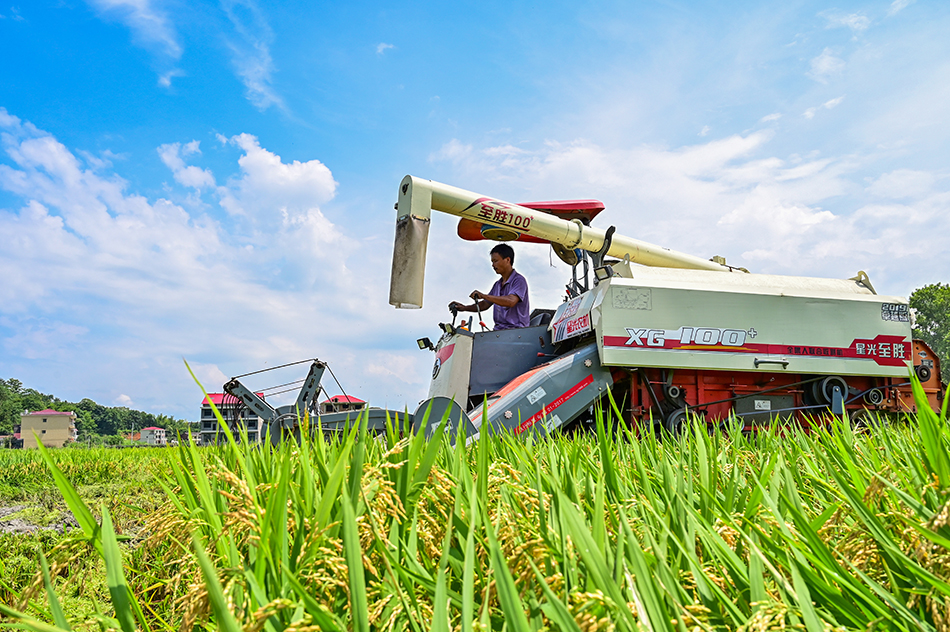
(122, 599)
(353, 553)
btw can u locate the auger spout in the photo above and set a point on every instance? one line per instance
(417, 197)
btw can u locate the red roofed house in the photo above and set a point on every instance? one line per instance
(54, 428)
(153, 435)
(234, 412)
(341, 404)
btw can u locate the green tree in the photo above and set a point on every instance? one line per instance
(932, 304)
(93, 421)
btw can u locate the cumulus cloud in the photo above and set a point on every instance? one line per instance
(267, 185)
(188, 175)
(208, 374)
(825, 66)
(382, 47)
(902, 183)
(123, 400)
(251, 52)
(128, 285)
(730, 197)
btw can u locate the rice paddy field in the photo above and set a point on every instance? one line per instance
(778, 530)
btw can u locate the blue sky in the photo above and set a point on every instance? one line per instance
(215, 181)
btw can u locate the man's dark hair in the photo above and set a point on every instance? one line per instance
(504, 251)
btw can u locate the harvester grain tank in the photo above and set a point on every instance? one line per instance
(668, 334)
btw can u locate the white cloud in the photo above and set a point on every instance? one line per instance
(898, 5)
(382, 47)
(825, 66)
(188, 175)
(770, 117)
(857, 22)
(399, 366)
(704, 131)
(209, 375)
(831, 103)
(165, 79)
(123, 400)
(151, 29)
(14, 14)
(902, 183)
(267, 184)
(827, 105)
(251, 55)
(127, 286)
(730, 197)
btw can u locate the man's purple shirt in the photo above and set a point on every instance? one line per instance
(520, 314)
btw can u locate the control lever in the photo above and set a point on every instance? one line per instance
(478, 307)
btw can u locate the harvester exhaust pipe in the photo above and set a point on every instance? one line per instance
(418, 197)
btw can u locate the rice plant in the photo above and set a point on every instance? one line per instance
(615, 530)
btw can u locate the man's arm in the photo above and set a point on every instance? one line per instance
(508, 301)
(482, 305)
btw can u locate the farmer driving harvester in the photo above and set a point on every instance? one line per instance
(509, 294)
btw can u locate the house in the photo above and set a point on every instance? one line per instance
(153, 436)
(54, 428)
(235, 414)
(341, 404)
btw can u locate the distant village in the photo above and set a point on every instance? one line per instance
(61, 428)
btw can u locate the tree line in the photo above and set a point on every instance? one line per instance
(931, 305)
(94, 422)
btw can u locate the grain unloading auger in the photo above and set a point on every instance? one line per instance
(674, 335)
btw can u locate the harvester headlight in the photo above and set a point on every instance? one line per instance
(425, 343)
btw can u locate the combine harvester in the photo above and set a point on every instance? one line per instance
(674, 336)
(670, 335)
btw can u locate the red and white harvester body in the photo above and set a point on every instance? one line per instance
(670, 335)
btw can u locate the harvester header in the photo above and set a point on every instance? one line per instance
(504, 221)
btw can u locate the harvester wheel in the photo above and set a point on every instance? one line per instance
(863, 420)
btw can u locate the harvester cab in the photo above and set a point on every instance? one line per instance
(674, 337)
